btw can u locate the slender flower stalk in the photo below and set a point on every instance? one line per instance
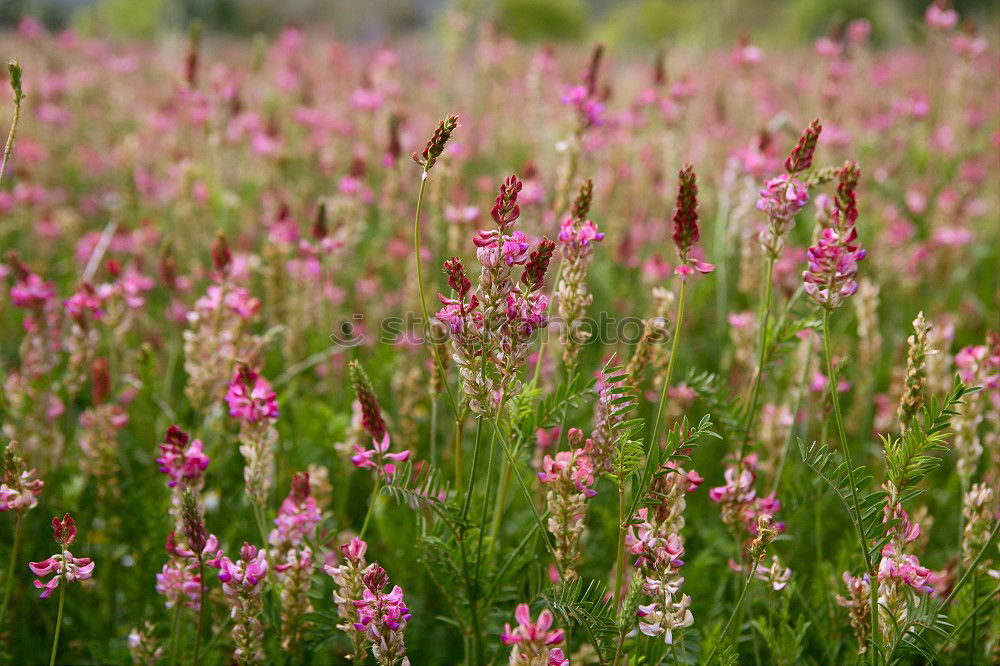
(685, 237)
(66, 569)
(832, 267)
(781, 199)
(426, 160)
(15, 72)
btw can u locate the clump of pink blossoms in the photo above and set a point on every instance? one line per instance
(532, 643)
(656, 539)
(64, 565)
(242, 584)
(785, 195)
(350, 587)
(382, 617)
(181, 459)
(252, 402)
(570, 477)
(296, 522)
(577, 237)
(19, 486)
(833, 261)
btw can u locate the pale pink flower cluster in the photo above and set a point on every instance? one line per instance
(298, 516)
(532, 643)
(349, 587)
(655, 537)
(241, 584)
(250, 397)
(382, 617)
(295, 524)
(669, 611)
(181, 576)
(858, 606)
(776, 574)
(739, 500)
(19, 486)
(570, 477)
(183, 463)
(64, 565)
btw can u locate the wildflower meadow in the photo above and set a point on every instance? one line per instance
(467, 350)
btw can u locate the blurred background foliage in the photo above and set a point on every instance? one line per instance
(619, 23)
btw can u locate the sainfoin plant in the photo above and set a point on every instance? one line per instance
(695, 363)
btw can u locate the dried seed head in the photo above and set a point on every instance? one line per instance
(437, 142)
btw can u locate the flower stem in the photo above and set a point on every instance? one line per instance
(620, 565)
(739, 605)
(9, 147)
(8, 583)
(201, 610)
(475, 466)
(175, 624)
(832, 384)
(670, 366)
(371, 505)
(420, 287)
(763, 318)
(62, 603)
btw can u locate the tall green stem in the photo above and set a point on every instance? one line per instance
(62, 602)
(15, 81)
(763, 318)
(475, 465)
(420, 286)
(670, 366)
(8, 583)
(832, 384)
(620, 564)
(371, 505)
(202, 601)
(732, 616)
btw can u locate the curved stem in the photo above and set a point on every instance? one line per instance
(739, 605)
(670, 366)
(9, 147)
(763, 318)
(420, 286)
(832, 384)
(8, 583)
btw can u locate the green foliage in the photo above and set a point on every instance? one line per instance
(542, 19)
(909, 457)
